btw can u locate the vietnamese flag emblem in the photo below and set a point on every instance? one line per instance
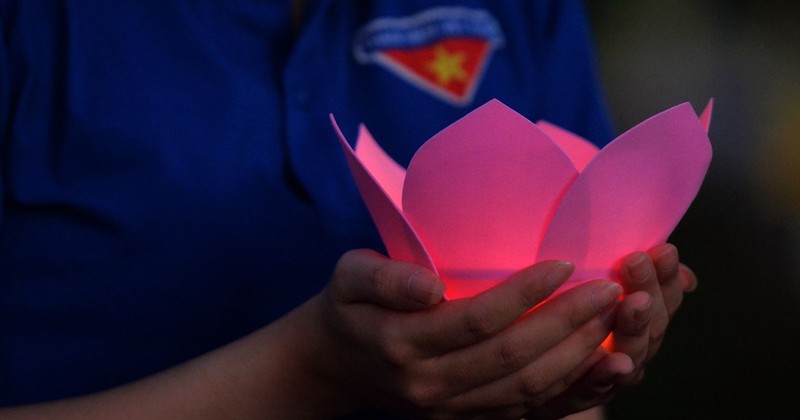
(442, 51)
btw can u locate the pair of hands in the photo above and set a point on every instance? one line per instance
(390, 340)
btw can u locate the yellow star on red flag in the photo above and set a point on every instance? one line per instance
(447, 66)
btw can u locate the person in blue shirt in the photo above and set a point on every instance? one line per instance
(177, 218)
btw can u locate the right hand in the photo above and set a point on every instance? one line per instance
(385, 339)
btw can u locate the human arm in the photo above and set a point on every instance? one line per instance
(366, 342)
(234, 381)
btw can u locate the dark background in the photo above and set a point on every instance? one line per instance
(733, 348)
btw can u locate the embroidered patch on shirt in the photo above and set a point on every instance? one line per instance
(443, 51)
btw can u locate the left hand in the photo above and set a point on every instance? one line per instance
(654, 283)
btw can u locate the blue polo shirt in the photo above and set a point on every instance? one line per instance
(170, 181)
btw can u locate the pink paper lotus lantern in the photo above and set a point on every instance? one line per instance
(494, 193)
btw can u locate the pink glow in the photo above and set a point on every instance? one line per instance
(493, 193)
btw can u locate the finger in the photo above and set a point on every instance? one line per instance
(594, 384)
(546, 375)
(463, 322)
(604, 375)
(688, 279)
(638, 274)
(632, 327)
(533, 336)
(586, 365)
(667, 266)
(593, 389)
(364, 276)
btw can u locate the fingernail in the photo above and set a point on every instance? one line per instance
(610, 377)
(606, 295)
(558, 274)
(424, 289)
(643, 315)
(640, 269)
(627, 368)
(666, 263)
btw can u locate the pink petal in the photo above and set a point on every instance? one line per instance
(371, 168)
(705, 117)
(387, 173)
(632, 195)
(480, 194)
(579, 150)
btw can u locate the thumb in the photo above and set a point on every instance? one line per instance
(364, 276)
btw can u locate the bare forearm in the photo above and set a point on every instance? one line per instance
(265, 374)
